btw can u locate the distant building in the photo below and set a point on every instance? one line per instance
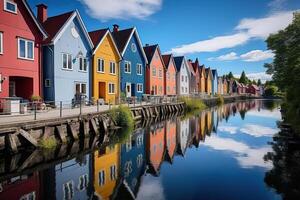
(183, 76)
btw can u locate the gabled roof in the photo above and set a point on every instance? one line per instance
(208, 72)
(98, 36)
(37, 23)
(150, 50)
(167, 59)
(214, 73)
(191, 68)
(202, 71)
(178, 62)
(196, 65)
(56, 25)
(122, 38)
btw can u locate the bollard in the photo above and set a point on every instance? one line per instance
(35, 108)
(97, 105)
(60, 109)
(134, 102)
(109, 104)
(80, 107)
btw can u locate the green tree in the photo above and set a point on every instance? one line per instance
(286, 65)
(230, 76)
(243, 78)
(259, 82)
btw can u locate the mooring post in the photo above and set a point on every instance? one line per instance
(60, 109)
(35, 107)
(133, 102)
(109, 104)
(80, 107)
(97, 105)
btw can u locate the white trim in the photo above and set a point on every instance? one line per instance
(137, 88)
(139, 65)
(82, 63)
(11, 2)
(114, 64)
(26, 49)
(62, 60)
(1, 42)
(114, 92)
(102, 72)
(127, 62)
(47, 80)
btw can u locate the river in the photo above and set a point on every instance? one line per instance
(216, 154)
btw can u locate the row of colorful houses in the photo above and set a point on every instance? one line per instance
(58, 59)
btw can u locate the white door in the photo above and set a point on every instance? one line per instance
(128, 89)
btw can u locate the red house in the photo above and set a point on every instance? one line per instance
(170, 75)
(253, 89)
(21, 36)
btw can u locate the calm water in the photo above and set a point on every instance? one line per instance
(216, 155)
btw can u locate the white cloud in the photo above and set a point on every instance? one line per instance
(258, 131)
(229, 129)
(260, 75)
(276, 5)
(226, 57)
(257, 55)
(246, 156)
(121, 9)
(265, 113)
(246, 30)
(151, 189)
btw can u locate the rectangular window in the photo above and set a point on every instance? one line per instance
(1, 43)
(111, 88)
(127, 67)
(113, 172)
(160, 73)
(182, 78)
(80, 88)
(186, 79)
(112, 68)
(168, 88)
(82, 64)
(68, 189)
(100, 67)
(10, 6)
(139, 87)
(67, 61)
(139, 69)
(47, 83)
(25, 49)
(153, 71)
(101, 177)
(168, 75)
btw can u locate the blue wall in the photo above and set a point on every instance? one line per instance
(63, 81)
(215, 83)
(135, 58)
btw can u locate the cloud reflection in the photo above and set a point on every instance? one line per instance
(151, 189)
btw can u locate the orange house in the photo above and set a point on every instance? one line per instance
(154, 71)
(170, 75)
(170, 140)
(208, 82)
(155, 147)
(202, 79)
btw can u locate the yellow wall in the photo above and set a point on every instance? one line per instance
(104, 162)
(209, 85)
(107, 52)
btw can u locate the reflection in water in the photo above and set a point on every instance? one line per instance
(136, 168)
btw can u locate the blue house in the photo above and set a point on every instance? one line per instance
(214, 81)
(133, 65)
(67, 54)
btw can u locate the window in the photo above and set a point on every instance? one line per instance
(168, 88)
(139, 69)
(47, 83)
(82, 64)
(113, 172)
(67, 61)
(1, 43)
(80, 88)
(186, 79)
(139, 87)
(112, 68)
(168, 75)
(133, 47)
(153, 71)
(10, 6)
(160, 73)
(127, 67)
(182, 78)
(29, 196)
(186, 89)
(139, 160)
(101, 177)
(25, 49)
(100, 67)
(83, 182)
(128, 168)
(68, 190)
(111, 88)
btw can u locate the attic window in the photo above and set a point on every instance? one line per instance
(10, 6)
(133, 47)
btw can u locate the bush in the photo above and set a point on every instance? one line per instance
(35, 98)
(49, 143)
(122, 116)
(220, 100)
(271, 90)
(193, 104)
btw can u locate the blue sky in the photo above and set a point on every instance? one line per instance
(227, 35)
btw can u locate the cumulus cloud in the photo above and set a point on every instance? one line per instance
(226, 57)
(257, 55)
(258, 131)
(228, 129)
(265, 113)
(259, 75)
(121, 9)
(246, 30)
(246, 156)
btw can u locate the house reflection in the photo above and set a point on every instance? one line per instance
(170, 140)
(182, 135)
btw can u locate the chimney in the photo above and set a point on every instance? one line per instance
(147, 45)
(116, 28)
(42, 12)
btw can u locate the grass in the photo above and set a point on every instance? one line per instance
(122, 116)
(220, 100)
(48, 143)
(193, 104)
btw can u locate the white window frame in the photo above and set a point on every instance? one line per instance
(112, 65)
(139, 69)
(113, 172)
(127, 69)
(110, 89)
(62, 59)
(101, 66)
(1, 42)
(139, 88)
(160, 73)
(101, 181)
(70, 185)
(11, 2)
(47, 83)
(84, 63)
(80, 86)
(26, 49)
(154, 72)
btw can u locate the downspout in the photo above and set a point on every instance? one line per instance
(119, 77)
(52, 62)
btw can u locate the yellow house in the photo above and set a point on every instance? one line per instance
(105, 67)
(209, 79)
(106, 171)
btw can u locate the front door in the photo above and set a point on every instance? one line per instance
(12, 88)
(128, 90)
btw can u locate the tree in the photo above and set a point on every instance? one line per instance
(243, 78)
(259, 82)
(230, 76)
(254, 82)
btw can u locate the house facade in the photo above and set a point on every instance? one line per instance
(170, 139)
(225, 86)
(196, 69)
(183, 133)
(183, 76)
(208, 81)
(202, 79)
(154, 71)
(193, 84)
(67, 55)
(220, 86)
(169, 75)
(133, 64)
(105, 67)
(214, 81)
(21, 37)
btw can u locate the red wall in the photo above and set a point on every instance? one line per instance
(171, 82)
(14, 26)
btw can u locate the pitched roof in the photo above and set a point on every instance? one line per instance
(96, 36)
(214, 72)
(178, 62)
(121, 38)
(207, 71)
(167, 59)
(54, 24)
(149, 51)
(196, 65)
(202, 70)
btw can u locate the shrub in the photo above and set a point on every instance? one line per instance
(49, 143)
(122, 116)
(220, 100)
(35, 98)
(193, 104)
(271, 90)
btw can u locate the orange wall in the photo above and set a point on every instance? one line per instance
(171, 137)
(156, 147)
(170, 80)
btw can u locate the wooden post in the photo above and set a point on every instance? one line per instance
(28, 137)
